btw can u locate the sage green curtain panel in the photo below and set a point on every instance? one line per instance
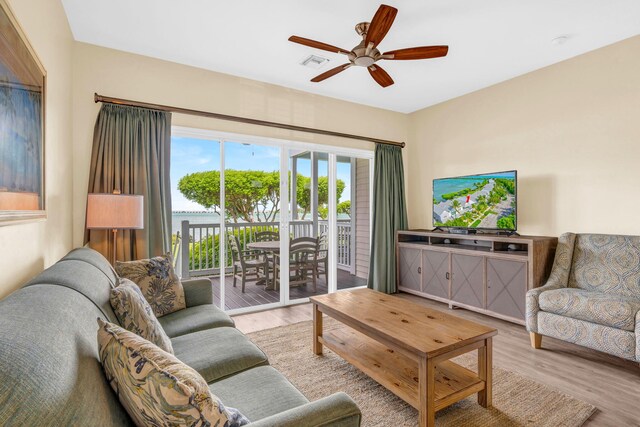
(131, 153)
(389, 216)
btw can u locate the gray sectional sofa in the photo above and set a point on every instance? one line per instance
(50, 373)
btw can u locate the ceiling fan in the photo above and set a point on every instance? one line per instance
(366, 53)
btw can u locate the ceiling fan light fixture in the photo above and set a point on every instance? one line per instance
(364, 61)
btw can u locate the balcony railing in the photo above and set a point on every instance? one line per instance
(199, 253)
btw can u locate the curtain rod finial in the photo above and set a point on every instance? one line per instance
(95, 97)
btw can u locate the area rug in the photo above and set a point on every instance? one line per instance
(517, 401)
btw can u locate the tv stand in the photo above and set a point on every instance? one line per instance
(487, 273)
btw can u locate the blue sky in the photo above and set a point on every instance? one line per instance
(190, 155)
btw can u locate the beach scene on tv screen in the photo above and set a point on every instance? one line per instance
(477, 201)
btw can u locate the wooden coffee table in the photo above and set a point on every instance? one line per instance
(406, 348)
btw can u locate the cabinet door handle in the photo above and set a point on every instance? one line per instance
(419, 270)
(447, 275)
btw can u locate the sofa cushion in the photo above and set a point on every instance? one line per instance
(156, 388)
(258, 393)
(82, 278)
(193, 319)
(219, 352)
(159, 283)
(95, 259)
(598, 337)
(606, 263)
(49, 368)
(604, 309)
(135, 314)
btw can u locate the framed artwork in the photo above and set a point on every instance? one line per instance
(22, 100)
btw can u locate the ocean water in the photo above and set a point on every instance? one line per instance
(193, 218)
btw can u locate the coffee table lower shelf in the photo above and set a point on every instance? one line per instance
(398, 372)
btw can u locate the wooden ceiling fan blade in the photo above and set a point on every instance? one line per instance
(423, 52)
(380, 75)
(380, 24)
(318, 45)
(330, 73)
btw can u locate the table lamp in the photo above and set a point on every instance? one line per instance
(115, 212)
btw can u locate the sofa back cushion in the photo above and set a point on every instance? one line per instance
(606, 263)
(50, 373)
(87, 272)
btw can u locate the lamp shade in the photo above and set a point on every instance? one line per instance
(113, 211)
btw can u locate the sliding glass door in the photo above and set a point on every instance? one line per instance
(309, 223)
(252, 224)
(268, 222)
(196, 216)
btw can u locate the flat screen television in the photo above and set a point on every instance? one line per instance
(485, 201)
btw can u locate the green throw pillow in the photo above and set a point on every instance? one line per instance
(157, 280)
(154, 387)
(135, 314)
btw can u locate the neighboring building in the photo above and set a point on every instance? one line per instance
(442, 212)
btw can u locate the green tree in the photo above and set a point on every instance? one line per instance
(507, 222)
(344, 207)
(251, 196)
(323, 212)
(248, 194)
(509, 185)
(303, 193)
(456, 205)
(458, 222)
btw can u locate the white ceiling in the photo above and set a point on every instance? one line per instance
(489, 41)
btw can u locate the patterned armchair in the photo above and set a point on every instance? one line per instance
(592, 297)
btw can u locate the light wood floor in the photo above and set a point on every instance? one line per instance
(609, 383)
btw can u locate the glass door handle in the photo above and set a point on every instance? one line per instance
(447, 275)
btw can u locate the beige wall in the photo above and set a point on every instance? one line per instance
(26, 249)
(572, 130)
(118, 74)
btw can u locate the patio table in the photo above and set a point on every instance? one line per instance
(272, 246)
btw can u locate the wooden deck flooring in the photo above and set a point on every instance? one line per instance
(256, 295)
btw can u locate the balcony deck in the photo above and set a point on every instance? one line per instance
(256, 295)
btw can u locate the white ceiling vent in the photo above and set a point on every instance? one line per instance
(314, 61)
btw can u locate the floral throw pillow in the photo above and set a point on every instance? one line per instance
(157, 280)
(155, 388)
(135, 314)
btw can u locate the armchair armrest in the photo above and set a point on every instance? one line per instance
(638, 336)
(559, 278)
(335, 410)
(197, 292)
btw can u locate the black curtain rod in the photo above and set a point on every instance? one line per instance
(109, 100)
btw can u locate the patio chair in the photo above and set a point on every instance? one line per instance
(323, 257)
(311, 241)
(247, 264)
(267, 236)
(302, 265)
(322, 253)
